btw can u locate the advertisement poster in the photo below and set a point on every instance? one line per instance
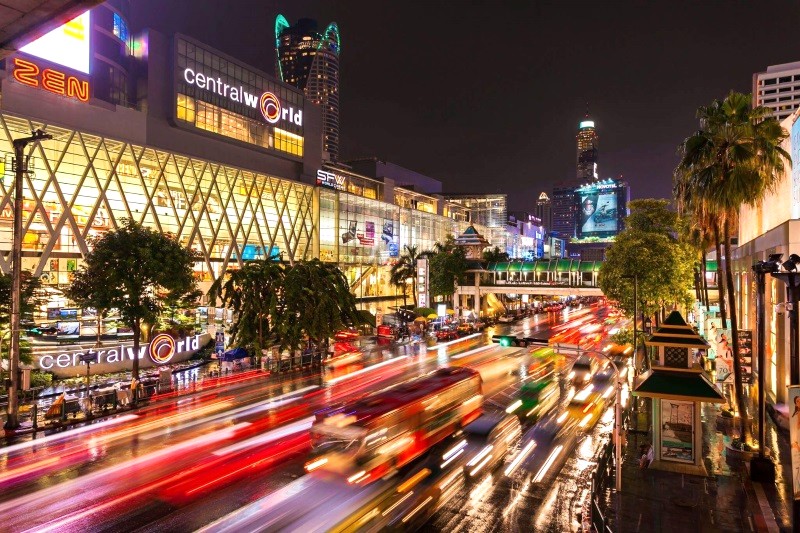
(677, 431)
(368, 237)
(724, 355)
(598, 213)
(350, 234)
(746, 353)
(794, 437)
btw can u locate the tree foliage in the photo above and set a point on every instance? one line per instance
(134, 269)
(31, 298)
(405, 268)
(287, 305)
(734, 158)
(648, 248)
(494, 255)
(447, 265)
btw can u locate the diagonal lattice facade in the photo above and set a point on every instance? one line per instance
(81, 185)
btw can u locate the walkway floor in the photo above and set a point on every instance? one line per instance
(726, 500)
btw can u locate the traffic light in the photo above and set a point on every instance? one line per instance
(507, 340)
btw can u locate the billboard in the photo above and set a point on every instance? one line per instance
(600, 207)
(795, 173)
(67, 45)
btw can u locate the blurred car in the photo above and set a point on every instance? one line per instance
(446, 335)
(479, 325)
(387, 331)
(465, 328)
(583, 370)
(555, 426)
(344, 353)
(346, 334)
(586, 406)
(488, 440)
(506, 319)
(538, 397)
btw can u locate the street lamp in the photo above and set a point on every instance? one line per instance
(20, 169)
(635, 279)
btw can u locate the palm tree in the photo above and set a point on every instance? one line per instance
(253, 293)
(406, 267)
(735, 158)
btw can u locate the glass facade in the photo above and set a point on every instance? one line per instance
(82, 185)
(223, 96)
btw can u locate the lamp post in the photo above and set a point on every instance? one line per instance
(635, 279)
(20, 169)
(761, 467)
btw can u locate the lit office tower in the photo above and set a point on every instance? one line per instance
(778, 88)
(309, 60)
(544, 211)
(587, 151)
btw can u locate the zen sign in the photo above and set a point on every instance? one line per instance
(423, 294)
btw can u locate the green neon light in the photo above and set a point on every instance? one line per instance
(587, 124)
(332, 28)
(280, 24)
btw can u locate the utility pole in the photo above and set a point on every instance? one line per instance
(20, 170)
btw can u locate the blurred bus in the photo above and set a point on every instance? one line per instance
(368, 438)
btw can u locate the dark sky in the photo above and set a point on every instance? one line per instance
(487, 96)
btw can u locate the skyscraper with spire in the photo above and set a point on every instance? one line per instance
(309, 60)
(587, 151)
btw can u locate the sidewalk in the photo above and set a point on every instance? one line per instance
(726, 500)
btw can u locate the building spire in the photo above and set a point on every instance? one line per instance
(587, 109)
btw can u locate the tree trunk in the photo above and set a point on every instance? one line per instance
(137, 331)
(720, 278)
(705, 281)
(744, 427)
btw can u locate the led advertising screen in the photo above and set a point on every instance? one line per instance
(67, 45)
(599, 210)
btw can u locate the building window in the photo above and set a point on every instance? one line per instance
(769, 81)
(185, 108)
(288, 142)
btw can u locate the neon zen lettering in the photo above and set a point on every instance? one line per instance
(55, 81)
(240, 96)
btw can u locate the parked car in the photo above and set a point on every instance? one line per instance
(346, 334)
(446, 335)
(480, 325)
(387, 331)
(465, 328)
(506, 319)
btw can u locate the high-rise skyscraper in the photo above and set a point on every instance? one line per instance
(778, 88)
(309, 60)
(587, 151)
(543, 211)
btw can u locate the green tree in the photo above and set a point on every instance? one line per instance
(447, 265)
(253, 293)
(317, 304)
(734, 158)
(495, 255)
(131, 269)
(649, 249)
(405, 268)
(31, 299)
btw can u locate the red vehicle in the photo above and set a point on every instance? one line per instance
(385, 331)
(366, 439)
(348, 334)
(447, 335)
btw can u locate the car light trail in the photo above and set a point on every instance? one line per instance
(481, 465)
(351, 375)
(270, 436)
(471, 352)
(520, 457)
(398, 502)
(417, 508)
(67, 434)
(514, 406)
(547, 464)
(483, 453)
(316, 464)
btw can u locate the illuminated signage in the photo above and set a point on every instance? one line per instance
(331, 180)
(270, 106)
(67, 45)
(161, 350)
(50, 79)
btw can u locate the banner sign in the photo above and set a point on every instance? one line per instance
(794, 437)
(746, 353)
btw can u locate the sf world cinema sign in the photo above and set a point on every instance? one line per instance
(160, 351)
(270, 106)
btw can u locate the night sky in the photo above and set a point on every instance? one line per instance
(487, 96)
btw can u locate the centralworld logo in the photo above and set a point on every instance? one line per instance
(270, 107)
(162, 348)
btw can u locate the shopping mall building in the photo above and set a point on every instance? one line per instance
(771, 226)
(183, 138)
